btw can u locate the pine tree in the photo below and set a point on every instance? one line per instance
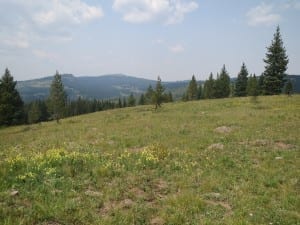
(209, 91)
(57, 98)
(223, 84)
(158, 93)
(11, 104)
(276, 65)
(192, 89)
(241, 82)
(288, 88)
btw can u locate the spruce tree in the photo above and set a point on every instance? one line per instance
(276, 65)
(11, 104)
(241, 82)
(158, 93)
(192, 89)
(222, 84)
(209, 91)
(57, 98)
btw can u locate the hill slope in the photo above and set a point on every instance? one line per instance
(226, 161)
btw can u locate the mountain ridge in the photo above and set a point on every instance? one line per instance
(108, 86)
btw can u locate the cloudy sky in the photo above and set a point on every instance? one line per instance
(145, 38)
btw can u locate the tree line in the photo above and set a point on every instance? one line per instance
(272, 81)
(13, 111)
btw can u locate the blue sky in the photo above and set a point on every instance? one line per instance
(144, 38)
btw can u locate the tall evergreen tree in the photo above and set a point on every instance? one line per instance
(241, 82)
(192, 89)
(11, 104)
(158, 93)
(57, 98)
(209, 91)
(223, 84)
(276, 65)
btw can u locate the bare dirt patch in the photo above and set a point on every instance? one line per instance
(283, 146)
(157, 221)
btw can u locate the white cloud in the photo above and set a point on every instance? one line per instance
(24, 22)
(263, 14)
(178, 48)
(140, 11)
(66, 11)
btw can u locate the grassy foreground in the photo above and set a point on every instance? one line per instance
(226, 161)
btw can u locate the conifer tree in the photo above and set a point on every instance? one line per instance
(209, 91)
(57, 98)
(192, 89)
(241, 82)
(276, 65)
(158, 93)
(11, 104)
(221, 86)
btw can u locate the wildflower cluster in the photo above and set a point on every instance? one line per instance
(45, 165)
(152, 155)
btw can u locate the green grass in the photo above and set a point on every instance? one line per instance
(137, 166)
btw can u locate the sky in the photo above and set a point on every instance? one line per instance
(173, 39)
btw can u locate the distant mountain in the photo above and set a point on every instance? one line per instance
(106, 86)
(100, 87)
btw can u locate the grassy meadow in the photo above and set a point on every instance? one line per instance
(228, 161)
